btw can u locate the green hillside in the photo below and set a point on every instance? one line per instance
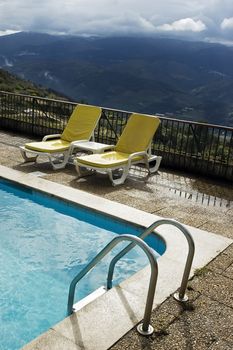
(11, 83)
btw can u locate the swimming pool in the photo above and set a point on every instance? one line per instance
(45, 242)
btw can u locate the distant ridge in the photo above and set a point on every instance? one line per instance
(182, 79)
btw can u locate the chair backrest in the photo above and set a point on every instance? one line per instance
(82, 123)
(138, 133)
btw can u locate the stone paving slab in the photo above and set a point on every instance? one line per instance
(221, 345)
(58, 342)
(215, 286)
(229, 272)
(222, 262)
(223, 228)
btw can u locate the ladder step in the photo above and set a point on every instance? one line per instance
(89, 298)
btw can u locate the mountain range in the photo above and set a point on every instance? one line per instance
(182, 79)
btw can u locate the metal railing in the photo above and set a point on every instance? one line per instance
(145, 328)
(195, 147)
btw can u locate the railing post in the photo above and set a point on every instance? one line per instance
(33, 114)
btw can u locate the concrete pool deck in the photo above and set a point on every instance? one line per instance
(205, 323)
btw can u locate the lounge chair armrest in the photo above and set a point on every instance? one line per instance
(49, 137)
(136, 154)
(111, 147)
(75, 143)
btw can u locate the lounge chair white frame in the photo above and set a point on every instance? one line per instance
(146, 159)
(57, 158)
(53, 156)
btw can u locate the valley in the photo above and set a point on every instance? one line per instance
(177, 78)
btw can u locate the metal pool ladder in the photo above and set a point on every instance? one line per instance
(143, 328)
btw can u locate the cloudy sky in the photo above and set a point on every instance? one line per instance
(210, 20)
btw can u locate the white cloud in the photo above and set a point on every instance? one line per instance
(227, 23)
(219, 41)
(118, 17)
(183, 25)
(8, 32)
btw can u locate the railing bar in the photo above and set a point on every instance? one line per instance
(176, 138)
(216, 148)
(222, 153)
(181, 142)
(195, 140)
(111, 128)
(230, 150)
(206, 150)
(202, 146)
(160, 145)
(186, 146)
(210, 147)
(182, 134)
(170, 138)
(165, 136)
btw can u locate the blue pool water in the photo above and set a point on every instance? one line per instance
(45, 242)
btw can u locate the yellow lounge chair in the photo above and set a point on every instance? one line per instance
(80, 127)
(133, 146)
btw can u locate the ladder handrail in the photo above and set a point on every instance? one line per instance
(145, 327)
(180, 296)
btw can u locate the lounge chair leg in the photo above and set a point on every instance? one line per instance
(157, 160)
(147, 164)
(57, 166)
(82, 173)
(121, 179)
(78, 169)
(26, 158)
